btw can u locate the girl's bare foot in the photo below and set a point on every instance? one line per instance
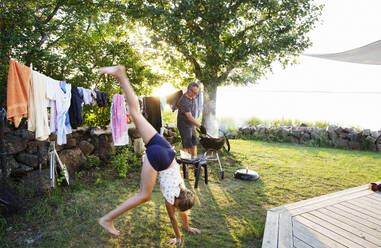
(116, 71)
(108, 226)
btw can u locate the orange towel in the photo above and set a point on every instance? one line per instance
(17, 91)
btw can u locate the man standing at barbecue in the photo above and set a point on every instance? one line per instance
(186, 121)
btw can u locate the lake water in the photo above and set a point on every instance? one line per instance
(347, 109)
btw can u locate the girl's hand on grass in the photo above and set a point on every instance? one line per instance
(174, 241)
(193, 230)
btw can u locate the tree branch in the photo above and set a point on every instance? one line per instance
(44, 36)
(55, 41)
(54, 12)
(196, 65)
(225, 74)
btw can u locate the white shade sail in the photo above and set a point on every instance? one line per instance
(368, 54)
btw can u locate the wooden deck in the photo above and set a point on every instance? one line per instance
(349, 218)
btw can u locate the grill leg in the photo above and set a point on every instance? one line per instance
(219, 163)
(197, 170)
(206, 173)
(185, 171)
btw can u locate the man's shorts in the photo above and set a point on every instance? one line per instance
(188, 137)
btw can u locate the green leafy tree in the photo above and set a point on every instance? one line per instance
(223, 42)
(68, 40)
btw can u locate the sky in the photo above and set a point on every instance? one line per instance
(341, 93)
(315, 89)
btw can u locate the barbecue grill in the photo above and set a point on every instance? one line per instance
(212, 146)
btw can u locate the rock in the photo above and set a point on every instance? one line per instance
(59, 147)
(15, 144)
(262, 129)
(306, 137)
(21, 171)
(24, 134)
(28, 159)
(341, 143)
(355, 136)
(342, 133)
(71, 143)
(283, 132)
(371, 143)
(86, 147)
(133, 133)
(375, 135)
(105, 146)
(139, 145)
(331, 132)
(366, 132)
(97, 131)
(81, 131)
(355, 145)
(73, 159)
(35, 147)
(316, 133)
(37, 182)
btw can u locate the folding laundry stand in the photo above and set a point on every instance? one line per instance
(52, 156)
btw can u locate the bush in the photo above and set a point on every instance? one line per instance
(254, 121)
(285, 122)
(227, 125)
(169, 116)
(91, 161)
(125, 160)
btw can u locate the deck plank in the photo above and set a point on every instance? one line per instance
(285, 230)
(352, 221)
(300, 244)
(364, 210)
(376, 196)
(369, 240)
(358, 214)
(349, 218)
(356, 219)
(328, 202)
(367, 203)
(377, 203)
(323, 230)
(324, 197)
(312, 237)
(270, 236)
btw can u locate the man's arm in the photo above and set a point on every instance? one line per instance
(191, 119)
(172, 217)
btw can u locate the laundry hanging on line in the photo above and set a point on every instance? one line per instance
(17, 91)
(30, 89)
(118, 120)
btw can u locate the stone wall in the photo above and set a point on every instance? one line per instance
(28, 159)
(331, 136)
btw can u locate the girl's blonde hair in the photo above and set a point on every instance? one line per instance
(185, 200)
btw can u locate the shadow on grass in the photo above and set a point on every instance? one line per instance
(229, 212)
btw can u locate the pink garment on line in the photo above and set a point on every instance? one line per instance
(119, 121)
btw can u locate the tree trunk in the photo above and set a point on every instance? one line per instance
(209, 120)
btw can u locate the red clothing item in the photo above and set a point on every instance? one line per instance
(17, 91)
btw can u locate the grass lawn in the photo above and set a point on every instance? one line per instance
(229, 212)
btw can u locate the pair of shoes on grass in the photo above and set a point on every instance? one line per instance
(375, 186)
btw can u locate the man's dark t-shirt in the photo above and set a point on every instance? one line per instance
(185, 105)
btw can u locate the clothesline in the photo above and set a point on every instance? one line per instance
(30, 93)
